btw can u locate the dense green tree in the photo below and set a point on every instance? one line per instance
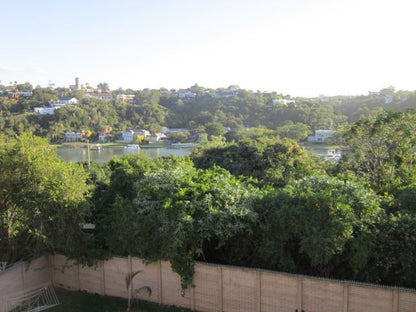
(178, 209)
(42, 199)
(393, 260)
(273, 161)
(214, 129)
(382, 150)
(319, 225)
(294, 131)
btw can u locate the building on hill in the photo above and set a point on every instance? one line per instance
(282, 102)
(126, 97)
(45, 110)
(100, 96)
(64, 101)
(55, 105)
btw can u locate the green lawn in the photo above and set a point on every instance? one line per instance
(75, 301)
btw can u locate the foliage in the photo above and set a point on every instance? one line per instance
(208, 109)
(42, 199)
(393, 261)
(129, 286)
(294, 131)
(319, 225)
(179, 209)
(276, 161)
(382, 150)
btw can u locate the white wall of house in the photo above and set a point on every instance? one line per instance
(321, 135)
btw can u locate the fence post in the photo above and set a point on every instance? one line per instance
(345, 297)
(300, 294)
(51, 269)
(160, 282)
(258, 286)
(192, 293)
(22, 266)
(130, 273)
(78, 278)
(103, 278)
(395, 301)
(220, 292)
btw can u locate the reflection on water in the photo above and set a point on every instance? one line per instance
(107, 153)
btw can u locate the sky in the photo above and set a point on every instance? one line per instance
(297, 47)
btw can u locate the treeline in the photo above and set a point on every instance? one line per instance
(198, 109)
(257, 202)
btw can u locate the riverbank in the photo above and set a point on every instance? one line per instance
(163, 144)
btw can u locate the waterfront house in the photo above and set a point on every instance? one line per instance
(321, 136)
(73, 136)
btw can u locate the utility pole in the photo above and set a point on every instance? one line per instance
(88, 153)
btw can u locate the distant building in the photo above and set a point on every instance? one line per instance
(156, 137)
(45, 110)
(182, 94)
(76, 86)
(173, 130)
(20, 93)
(282, 102)
(100, 96)
(131, 135)
(388, 99)
(102, 137)
(222, 95)
(321, 136)
(55, 105)
(64, 101)
(73, 136)
(125, 97)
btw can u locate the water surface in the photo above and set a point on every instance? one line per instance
(107, 153)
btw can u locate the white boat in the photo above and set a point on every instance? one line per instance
(96, 147)
(333, 155)
(133, 147)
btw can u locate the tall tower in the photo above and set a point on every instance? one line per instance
(77, 83)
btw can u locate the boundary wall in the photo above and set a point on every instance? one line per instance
(220, 288)
(23, 277)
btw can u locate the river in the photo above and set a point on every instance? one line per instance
(108, 153)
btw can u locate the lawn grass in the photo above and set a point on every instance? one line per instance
(75, 301)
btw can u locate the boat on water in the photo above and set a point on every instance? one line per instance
(333, 155)
(132, 147)
(96, 147)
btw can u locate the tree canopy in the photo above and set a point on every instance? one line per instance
(43, 199)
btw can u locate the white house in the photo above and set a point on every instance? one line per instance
(102, 137)
(100, 96)
(156, 137)
(73, 136)
(126, 97)
(321, 135)
(282, 102)
(130, 136)
(182, 94)
(21, 93)
(64, 101)
(44, 110)
(142, 132)
(173, 130)
(127, 136)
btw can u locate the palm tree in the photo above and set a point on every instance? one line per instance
(129, 285)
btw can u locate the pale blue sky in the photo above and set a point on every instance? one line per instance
(297, 47)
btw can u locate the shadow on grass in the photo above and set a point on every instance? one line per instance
(76, 301)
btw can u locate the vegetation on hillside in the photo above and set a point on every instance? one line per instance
(202, 111)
